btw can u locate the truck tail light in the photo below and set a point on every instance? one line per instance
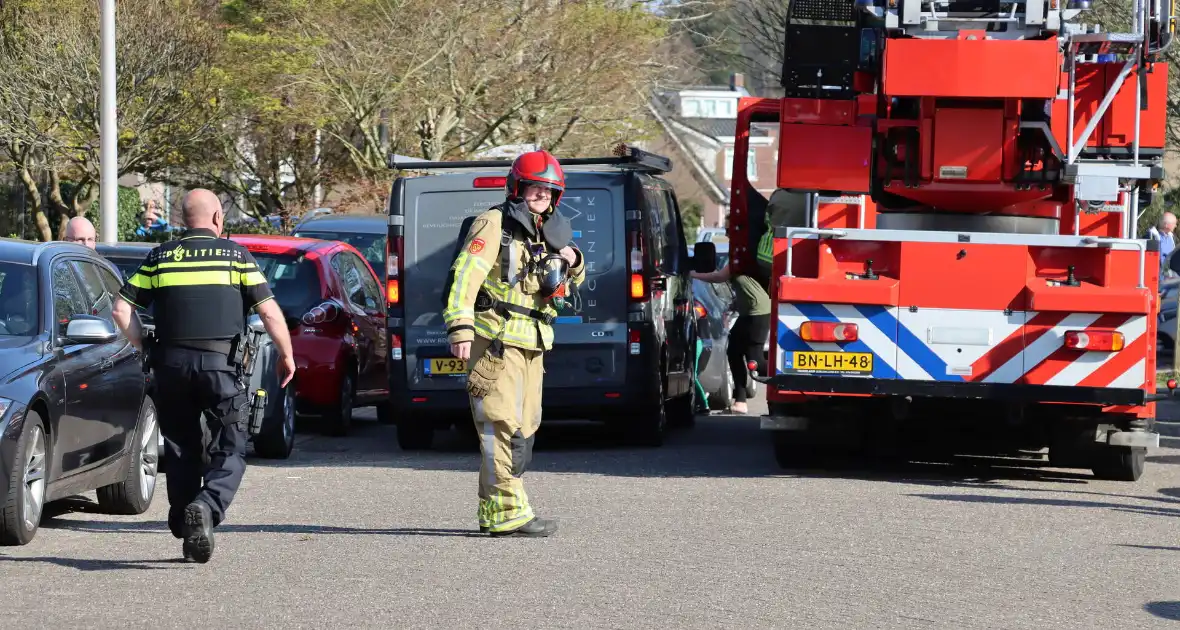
(700, 309)
(831, 332)
(633, 340)
(1095, 340)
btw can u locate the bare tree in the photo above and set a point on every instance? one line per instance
(163, 47)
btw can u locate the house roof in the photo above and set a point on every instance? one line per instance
(666, 104)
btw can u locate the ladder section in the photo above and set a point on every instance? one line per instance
(822, 49)
(1123, 99)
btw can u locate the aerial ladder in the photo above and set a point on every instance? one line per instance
(994, 292)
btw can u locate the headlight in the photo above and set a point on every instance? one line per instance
(5, 403)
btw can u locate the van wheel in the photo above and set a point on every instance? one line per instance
(385, 413)
(340, 418)
(415, 435)
(682, 411)
(648, 428)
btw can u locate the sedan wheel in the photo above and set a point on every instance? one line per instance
(20, 512)
(149, 463)
(133, 495)
(34, 480)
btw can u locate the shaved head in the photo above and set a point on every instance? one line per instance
(81, 231)
(202, 209)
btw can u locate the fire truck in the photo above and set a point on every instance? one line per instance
(966, 272)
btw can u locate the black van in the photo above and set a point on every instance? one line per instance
(624, 347)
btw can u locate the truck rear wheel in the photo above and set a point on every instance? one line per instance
(793, 450)
(1119, 463)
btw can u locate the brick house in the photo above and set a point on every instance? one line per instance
(697, 127)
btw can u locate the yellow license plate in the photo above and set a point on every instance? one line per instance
(833, 361)
(445, 367)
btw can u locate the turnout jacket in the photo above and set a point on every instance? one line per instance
(479, 265)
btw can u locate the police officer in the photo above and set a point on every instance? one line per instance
(202, 287)
(518, 259)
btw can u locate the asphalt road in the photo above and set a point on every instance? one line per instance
(704, 533)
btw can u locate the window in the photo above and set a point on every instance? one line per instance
(94, 288)
(68, 298)
(371, 246)
(359, 284)
(294, 280)
(690, 108)
(654, 234)
(751, 164)
(18, 300)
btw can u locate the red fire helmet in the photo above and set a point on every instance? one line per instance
(538, 168)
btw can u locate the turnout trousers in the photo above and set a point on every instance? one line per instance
(506, 421)
(204, 434)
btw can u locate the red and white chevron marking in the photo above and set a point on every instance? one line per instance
(1036, 351)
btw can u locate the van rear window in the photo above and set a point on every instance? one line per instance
(438, 216)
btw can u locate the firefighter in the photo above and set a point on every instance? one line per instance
(517, 260)
(202, 287)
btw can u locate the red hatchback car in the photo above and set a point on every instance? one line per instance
(335, 309)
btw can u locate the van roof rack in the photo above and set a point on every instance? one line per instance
(624, 157)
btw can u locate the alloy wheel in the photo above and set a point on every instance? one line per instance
(149, 457)
(34, 479)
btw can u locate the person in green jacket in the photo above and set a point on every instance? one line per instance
(749, 332)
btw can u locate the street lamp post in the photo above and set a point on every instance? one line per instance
(108, 156)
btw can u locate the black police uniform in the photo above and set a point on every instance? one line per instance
(202, 288)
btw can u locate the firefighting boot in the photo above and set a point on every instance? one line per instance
(536, 528)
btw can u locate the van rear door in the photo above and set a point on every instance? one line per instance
(590, 336)
(433, 208)
(590, 333)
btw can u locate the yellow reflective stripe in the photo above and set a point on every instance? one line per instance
(465, 264)
(245, 265)
(766, 247)
(141, 281)
(196, 278)
(251, 278)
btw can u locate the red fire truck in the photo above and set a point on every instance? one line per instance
(967, 266)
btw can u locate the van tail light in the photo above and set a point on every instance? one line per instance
(395, 347)
(637, 287)
(638, 282)
(832, 332)
(633, 340)
(321, 314)
(700, 309)
(393, 271)
(1095, 340)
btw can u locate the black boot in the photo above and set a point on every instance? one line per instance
(536, 528)
(198, 532)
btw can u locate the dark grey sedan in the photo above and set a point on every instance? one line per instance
(75, 414)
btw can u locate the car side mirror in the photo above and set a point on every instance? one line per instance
(704, 257)
(90, 329)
